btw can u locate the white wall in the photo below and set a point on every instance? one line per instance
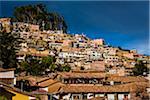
(111, 96)
(99, 95)
(121, 96)
(8, 74)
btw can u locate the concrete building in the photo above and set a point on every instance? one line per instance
(8, 76)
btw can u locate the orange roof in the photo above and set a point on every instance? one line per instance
(82, 75)
(55, 88)
(33, 50)
(127, 79)
(11, 88)
(33, 80)
(129, 87)
(47, 82)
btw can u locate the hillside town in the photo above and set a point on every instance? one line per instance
(97, 71)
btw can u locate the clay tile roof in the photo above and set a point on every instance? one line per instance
(7, 69)
(81, 75)
(46, 83)
(129, 87)
(8, 87)
(32, 80)
(127, 79)
(56, 87)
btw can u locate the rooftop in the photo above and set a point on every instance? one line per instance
(46, 83)
(8, 87)
(126, 79)
(6, 69)
(129, 87)
(82, 74)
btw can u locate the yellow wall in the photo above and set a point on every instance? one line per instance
(19, 96)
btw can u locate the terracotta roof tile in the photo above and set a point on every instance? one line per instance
(11, 88)
(55, 88)
(130, 87)
(47, 83)
(127, 79)
(33, 80)
(81, 75)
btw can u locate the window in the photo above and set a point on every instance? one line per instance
(84, 96)
(76, 97)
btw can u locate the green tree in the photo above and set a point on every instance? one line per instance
(25, 67)
(9, 45)
(47, 61)
(140, 68)
(32, 66)
(36, 14)
(66, 68)
(53, 67)
(37, 67)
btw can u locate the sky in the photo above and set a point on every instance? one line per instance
(119, 23)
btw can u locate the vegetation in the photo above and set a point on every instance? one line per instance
(38, 67)
(32, 67)
(9, 44)
(66, 68)
(48, 63)
(3, 98)
(63, 68)
(37, 14)
(140, 69)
